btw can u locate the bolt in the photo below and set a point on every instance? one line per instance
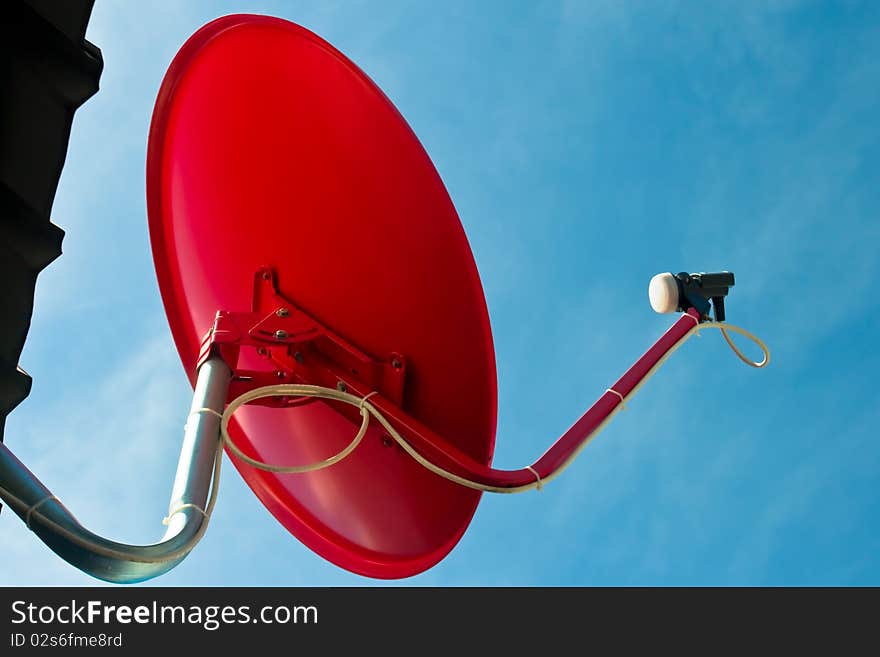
(262, 351)
(282, 312)
(396, 364)
(266, 276)
(341, 387)
(280, 374)
(280, 335)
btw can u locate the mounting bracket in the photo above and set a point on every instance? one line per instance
(297, 348)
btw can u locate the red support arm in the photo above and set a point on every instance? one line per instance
(567, 446)
(299, 349)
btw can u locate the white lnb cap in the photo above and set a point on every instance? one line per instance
(663, 293)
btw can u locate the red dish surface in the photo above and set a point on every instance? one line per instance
(268, 147)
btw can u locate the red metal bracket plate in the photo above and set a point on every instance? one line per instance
(296, 348)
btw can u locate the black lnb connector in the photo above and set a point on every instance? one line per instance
(677, 292)
(698, 289)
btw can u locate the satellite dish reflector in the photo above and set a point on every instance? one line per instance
(270, 151)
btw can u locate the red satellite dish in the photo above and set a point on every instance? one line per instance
(302, 236)
(271, 154)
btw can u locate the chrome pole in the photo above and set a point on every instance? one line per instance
(119, 562)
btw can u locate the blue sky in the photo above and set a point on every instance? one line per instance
(587, 146)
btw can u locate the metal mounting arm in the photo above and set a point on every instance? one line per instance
(119, 562)
(440, 452)
(296, 348)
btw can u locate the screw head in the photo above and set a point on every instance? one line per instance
(280, 335)
(280, 374)
(282, 312)
(396, 364)
(341, 387)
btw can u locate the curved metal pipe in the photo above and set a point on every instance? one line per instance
(119, 562)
